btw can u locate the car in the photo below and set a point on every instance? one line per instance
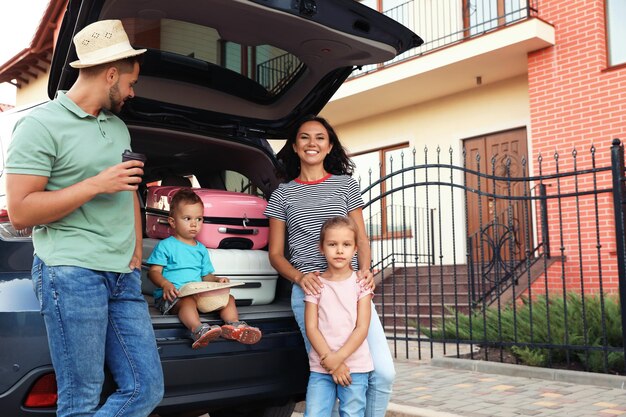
(219, 80)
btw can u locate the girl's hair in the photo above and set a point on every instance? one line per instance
(336, 162)
(337, 222)
(184, 196)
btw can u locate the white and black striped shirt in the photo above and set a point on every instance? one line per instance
(304, 206)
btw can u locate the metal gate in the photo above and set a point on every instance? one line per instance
(538, 282)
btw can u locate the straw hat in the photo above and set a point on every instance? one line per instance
(211, 296)
(101, 42)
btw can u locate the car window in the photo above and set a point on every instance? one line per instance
(232, 181)
(2, 176)
(240, 183)
(267, 68)
(177, 180)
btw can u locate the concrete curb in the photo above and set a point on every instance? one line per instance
(397, 410)
(561, 375)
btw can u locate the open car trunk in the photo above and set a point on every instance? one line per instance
(233, 165)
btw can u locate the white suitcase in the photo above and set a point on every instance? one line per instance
(239, 265)
(251, 267)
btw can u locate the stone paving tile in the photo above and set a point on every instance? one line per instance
(472, 394)
(525, 412)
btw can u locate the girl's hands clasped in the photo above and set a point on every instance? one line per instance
(341, 375)
(334, 363)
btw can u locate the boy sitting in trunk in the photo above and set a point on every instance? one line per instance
(181, 259)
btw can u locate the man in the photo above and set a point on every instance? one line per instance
(66, 181)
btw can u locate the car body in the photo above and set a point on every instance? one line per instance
(220, 78)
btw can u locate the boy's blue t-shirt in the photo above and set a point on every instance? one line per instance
(182, 263)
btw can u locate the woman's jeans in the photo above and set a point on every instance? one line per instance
(381, 379)
(93, 319)
(322, 393)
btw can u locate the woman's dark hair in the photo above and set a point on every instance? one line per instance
(336, 162)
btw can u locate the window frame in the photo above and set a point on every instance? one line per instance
(382, 159)
(609, 35)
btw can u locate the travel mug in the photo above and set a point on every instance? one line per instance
(133, 156)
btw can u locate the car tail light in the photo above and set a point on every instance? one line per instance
(8, 232)
(43, 393)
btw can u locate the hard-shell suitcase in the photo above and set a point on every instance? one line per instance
(253, 268)
(231, 220)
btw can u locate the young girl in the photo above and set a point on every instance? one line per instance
(337, 320)
(181, 259)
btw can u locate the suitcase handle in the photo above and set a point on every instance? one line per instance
(238, 231)
(162, 221)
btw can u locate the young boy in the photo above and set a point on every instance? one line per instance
(181, 259)
(337, 321)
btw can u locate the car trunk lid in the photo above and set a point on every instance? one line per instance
(237, 67)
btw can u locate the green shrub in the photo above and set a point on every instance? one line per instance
(573, 320)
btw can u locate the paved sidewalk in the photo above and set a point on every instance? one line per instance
(446, 387)
(421, 389)
(456, 387)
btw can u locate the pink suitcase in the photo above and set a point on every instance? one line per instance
(231, 220)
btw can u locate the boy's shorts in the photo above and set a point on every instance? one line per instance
(164, 306)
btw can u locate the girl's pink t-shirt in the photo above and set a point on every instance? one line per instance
(337, 313)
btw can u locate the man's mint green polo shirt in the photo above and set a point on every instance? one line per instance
(60, 141)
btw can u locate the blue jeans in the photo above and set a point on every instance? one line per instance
(95, 318)
(322, 393)
(381, 379)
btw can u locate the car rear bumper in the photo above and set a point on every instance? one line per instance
(224, 374)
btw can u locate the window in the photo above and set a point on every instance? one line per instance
(224, 180)
(237, 182)
(616, 31)
(263, 71)
(383, 219)
(483, 16)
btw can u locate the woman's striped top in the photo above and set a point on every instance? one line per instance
(304, 206)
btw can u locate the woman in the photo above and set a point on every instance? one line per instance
(320, 187)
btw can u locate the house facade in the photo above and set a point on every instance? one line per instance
(517, 81)
(577, 95)
(497, 86)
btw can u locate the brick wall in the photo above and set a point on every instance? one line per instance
(576, 101)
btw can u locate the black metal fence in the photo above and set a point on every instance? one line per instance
(502, 259)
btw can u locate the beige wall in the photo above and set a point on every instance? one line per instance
(33, 92)
(444, 122)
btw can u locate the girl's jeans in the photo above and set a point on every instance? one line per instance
(381, 379)
(322, 392)
(93, 319)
